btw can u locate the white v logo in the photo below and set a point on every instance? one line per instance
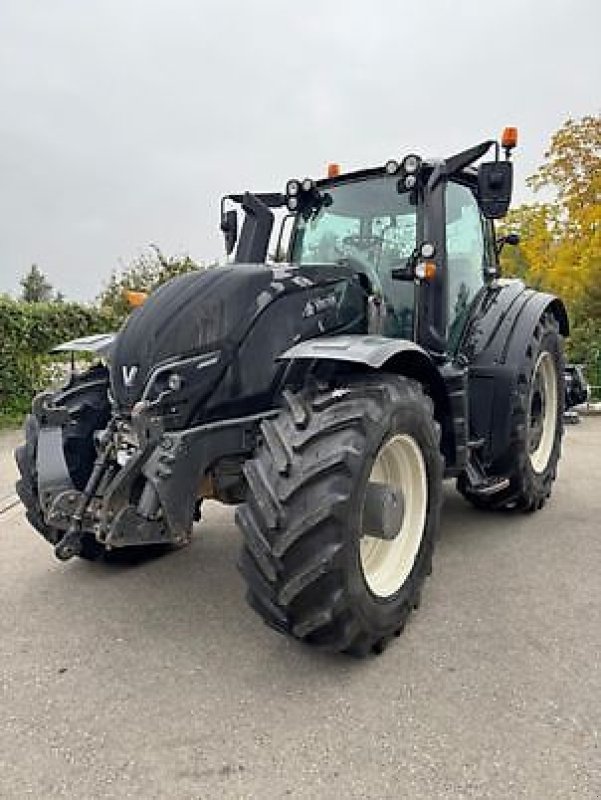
(129, 374)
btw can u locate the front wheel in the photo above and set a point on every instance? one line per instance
(86, 399)
(342, 513)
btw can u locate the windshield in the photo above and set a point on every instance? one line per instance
(372, 228)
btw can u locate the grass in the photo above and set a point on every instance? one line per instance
(11, 419)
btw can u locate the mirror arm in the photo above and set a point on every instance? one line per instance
(512, 239)
(407, 271)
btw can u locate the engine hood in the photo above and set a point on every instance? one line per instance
(203, 312)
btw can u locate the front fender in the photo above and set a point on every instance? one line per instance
(373, 351)
(445, 384)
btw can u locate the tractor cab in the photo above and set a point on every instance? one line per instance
(419, 235)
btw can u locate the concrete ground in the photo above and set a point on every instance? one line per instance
(9, 439)
(156, 681)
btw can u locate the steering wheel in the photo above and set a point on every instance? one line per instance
(358, 262)
(366, 268)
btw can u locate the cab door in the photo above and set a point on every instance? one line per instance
(467, 256)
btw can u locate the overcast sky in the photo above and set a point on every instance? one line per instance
(122, 123)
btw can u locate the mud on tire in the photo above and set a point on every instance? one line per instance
(302, 520)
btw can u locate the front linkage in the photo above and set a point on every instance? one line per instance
(148, 500)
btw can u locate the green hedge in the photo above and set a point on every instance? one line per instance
(27, 332)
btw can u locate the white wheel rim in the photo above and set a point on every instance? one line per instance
(387, 563)
(542, 412)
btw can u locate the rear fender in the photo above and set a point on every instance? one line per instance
(505, 317)
(537, 304)
(494, 348)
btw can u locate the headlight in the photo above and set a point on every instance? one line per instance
(175, 382)
(411, 164)
(427, 250)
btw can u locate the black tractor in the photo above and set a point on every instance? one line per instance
(327, 392)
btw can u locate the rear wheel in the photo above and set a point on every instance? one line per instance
(342, 513)
(530, 462)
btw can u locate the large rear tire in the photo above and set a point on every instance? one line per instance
(536, 429)
(311, 568)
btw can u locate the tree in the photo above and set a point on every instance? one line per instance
(560, 248)
(560, 240)
(572, 164)
(35, 287)
(144, 274)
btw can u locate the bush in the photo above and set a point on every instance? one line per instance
(144, 274)
(584, 347)
(27, 332)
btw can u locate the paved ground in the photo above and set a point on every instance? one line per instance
(9, 439)
(155, 681)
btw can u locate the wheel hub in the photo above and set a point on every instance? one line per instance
(383, 511)
(542, 416)
(393, 515)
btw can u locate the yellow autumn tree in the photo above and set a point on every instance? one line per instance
(560, 240)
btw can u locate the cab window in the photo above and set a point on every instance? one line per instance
(368, 225)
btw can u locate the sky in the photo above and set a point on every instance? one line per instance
(122, 123)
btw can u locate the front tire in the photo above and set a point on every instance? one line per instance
(86, 399)
(311, 568)
(87, 402)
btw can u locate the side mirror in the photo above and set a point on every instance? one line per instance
(495, 182)
(229, 226)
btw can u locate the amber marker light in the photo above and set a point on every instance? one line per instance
(509, 139)
(134, 299)
(425, 270)
(333, 170)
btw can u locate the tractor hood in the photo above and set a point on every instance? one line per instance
(202, 319)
